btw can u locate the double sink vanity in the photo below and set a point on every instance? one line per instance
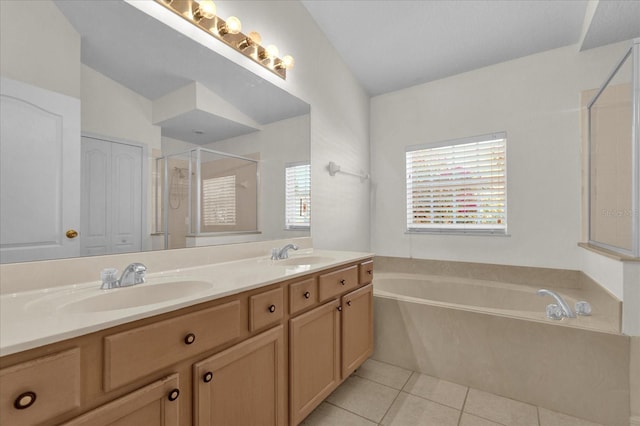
(253, 341)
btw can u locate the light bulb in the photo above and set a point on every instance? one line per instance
(234, 26)
(288, 62)
(251, 40)
(255, 37)
(206, 9)
(272, 51)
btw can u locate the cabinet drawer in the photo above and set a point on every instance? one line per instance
(366, 272)
(37, 390)
(265, 309)
(337, 282)
(155, 404)
(135, 353)
(302, 295)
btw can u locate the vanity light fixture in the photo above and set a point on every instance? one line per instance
(202, 14)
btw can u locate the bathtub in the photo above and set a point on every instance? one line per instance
(495, 336)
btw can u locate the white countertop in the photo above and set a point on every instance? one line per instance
(35, 318)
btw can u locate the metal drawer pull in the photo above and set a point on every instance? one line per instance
(370, 271)
(348, 302)
(174, 394)
(339, 308)
(189, 338)
(343, 282)
(207, 377)
(272, 308)
(24, 400)
(307, 295)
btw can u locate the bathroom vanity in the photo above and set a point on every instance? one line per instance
(266, 353)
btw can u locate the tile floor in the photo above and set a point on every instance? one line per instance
(386, 395)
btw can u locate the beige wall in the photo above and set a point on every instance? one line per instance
(110, 109)
(29, 53)
(635, 380)
(536, 100)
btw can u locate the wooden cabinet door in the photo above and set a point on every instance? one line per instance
(357, 328)
(314, 360)
(153, 405)
(243, 385)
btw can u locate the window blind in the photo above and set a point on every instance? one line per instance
(219, 201)
(458, 185)
(297, 196)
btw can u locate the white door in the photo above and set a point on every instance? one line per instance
(112, 177)
(39, 173)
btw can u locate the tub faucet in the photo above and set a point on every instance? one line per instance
(566, 309)
(132, 275)
(283, 253)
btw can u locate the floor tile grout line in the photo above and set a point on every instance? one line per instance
(538, 413)
(466, 395)
(389, 408)
(372, 381)
(351, 412)
(380, 383)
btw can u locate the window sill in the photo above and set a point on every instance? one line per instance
(475, 233)
(608, 253)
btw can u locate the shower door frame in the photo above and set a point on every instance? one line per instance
(634, 53)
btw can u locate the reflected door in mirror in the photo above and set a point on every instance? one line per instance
(111, 201)
(39, 173)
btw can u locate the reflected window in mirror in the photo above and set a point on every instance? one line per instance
(297, 196)
(219, 201)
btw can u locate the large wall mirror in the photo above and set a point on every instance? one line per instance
(120, 134)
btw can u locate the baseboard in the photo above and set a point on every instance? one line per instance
(634, 421)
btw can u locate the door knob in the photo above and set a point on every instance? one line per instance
(71, 234)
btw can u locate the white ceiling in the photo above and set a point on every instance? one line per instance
(391, 45)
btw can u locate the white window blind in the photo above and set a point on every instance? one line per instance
(219, 201)
(458, 186)
(297, 196)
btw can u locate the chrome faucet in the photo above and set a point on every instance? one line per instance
(282, 253)
(564, 306)
(132, 275)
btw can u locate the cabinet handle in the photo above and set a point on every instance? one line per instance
(370, 272)
(174, 394)
(207, 377)
(272, 308)
(307, 295)
(343, 282)
(348, 302)
(339, 308)
(189, 338)
(24, 400)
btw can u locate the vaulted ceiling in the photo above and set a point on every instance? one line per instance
(390, 45)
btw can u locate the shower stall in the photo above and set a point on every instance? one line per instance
(202, 194)
(614, 159)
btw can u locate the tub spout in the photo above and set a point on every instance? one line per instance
(566, 309)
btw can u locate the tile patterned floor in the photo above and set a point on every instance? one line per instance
(386, 395)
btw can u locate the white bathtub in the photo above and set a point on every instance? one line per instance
(495, 336)
(464, 293)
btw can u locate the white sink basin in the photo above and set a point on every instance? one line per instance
(304, 260)
(95, 300)
(134, 296)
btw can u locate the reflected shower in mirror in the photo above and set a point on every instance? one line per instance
(104, 92)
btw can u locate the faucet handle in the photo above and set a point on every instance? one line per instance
(109, 277)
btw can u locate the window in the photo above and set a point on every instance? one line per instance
(297, 196)
(458, 186)
(219, 201)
